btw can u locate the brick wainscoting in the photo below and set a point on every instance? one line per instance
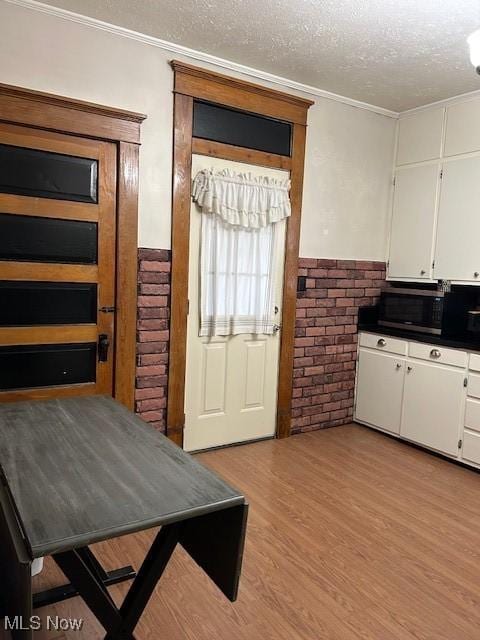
(153, 335)
(326, 338)
(325, 343)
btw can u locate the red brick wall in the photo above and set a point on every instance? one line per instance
(326, 338)
(325, 342)
(153, 335)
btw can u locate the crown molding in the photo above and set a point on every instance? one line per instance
(446, 102)
(199, 56)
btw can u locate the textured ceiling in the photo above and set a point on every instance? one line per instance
(396, 54)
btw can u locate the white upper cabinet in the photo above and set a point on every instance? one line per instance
(462, 133)
(457, 255)
(413, 222)
(420, 136)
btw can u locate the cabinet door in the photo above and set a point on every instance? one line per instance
(413, 222)
(432, 406)
(420, 136)
(379, 390)
(457, 255)
(462, 133)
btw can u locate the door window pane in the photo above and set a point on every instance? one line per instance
(35, 239)
(43, 174)
(26, 366)
(47, 303)
(241, 129)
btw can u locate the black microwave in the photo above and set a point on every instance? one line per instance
(427, 310)
(415, 309)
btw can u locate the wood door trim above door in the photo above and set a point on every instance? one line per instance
(233, 92)
(47, 111)
(240, 154)
(192, 82)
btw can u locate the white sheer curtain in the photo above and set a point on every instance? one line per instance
(237, 278)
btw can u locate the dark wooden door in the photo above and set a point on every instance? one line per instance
(57, 264)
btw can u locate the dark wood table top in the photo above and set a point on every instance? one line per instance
(81, 470)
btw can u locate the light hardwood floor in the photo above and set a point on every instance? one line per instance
(351, 535)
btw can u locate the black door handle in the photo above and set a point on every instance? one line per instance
(103, 344)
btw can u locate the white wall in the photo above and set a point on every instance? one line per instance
(349, 150)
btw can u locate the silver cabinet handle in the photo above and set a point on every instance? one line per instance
(409, 369)
(435, 353)
(276, 328)
(398, 366)
(476, 274)
(381, 342)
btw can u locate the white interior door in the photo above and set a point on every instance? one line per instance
(231, 382)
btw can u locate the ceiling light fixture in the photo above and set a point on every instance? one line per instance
(474, 44)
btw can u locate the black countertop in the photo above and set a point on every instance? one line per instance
(465, 342)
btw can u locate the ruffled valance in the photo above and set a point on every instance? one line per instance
(242, 199)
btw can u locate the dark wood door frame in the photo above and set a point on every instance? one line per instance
(65, 115)
(192, 82)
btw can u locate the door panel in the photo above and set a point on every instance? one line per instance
(379, 393)
(413, 222)
(457, 255)
(44, 365)
(57, 263)
(231, 382)
(45, 174)
(34, 239)
(420, 136)
(433, 403)
(254, 384)
(214, 377)
(29, 303)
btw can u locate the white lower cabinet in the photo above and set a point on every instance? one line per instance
(379, 389)
(433, 403)
(418, 392)
(471, 447)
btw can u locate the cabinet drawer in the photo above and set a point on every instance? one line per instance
(474, 363)
(473, 385)
(472, 414)
(471, 447)
(383, 343)
(434, 353)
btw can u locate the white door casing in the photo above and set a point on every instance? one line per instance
(231, 382)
